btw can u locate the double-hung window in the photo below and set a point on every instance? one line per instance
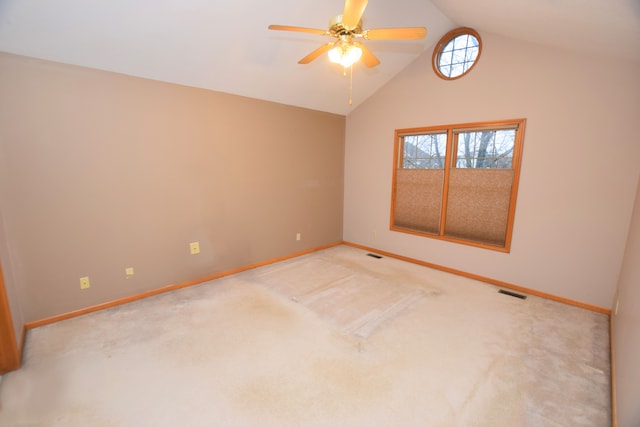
(458, 182)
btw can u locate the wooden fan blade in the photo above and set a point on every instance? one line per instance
(299, 29)
(353, 10)
(316, 53)
(369, 59)
(409, 33)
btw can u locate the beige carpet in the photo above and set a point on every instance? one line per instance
(334, 338)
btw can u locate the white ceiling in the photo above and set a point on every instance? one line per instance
(226, 46)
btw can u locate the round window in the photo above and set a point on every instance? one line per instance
(456, 53)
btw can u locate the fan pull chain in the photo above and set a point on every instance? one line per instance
(350, 85)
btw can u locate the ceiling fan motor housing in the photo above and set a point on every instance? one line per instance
(339, 30)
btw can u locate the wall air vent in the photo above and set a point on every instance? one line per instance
(512, 294)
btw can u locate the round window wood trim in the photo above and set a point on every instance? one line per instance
(444, 42)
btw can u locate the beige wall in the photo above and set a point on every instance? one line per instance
(579, 172)
(626, 332)
(101, 171)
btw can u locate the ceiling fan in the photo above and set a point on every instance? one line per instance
(347, 30)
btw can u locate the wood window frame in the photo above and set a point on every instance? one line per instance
(450, 158)
(437, 51)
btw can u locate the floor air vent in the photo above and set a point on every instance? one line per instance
(374, 256)
(512, 294)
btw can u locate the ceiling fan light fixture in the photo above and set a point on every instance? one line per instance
(345, 54)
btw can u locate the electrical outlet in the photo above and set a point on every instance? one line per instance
(129, 271)
(84, 283)
(298, 236)
(194, 248)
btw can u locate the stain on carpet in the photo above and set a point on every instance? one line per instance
(355, 302)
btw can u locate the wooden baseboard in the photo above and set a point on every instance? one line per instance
(169, 288)
(485, 279)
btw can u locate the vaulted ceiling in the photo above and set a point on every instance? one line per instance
(226, 46)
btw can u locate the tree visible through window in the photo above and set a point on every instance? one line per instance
(458, 183)
(424, 151)
(486, 149)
